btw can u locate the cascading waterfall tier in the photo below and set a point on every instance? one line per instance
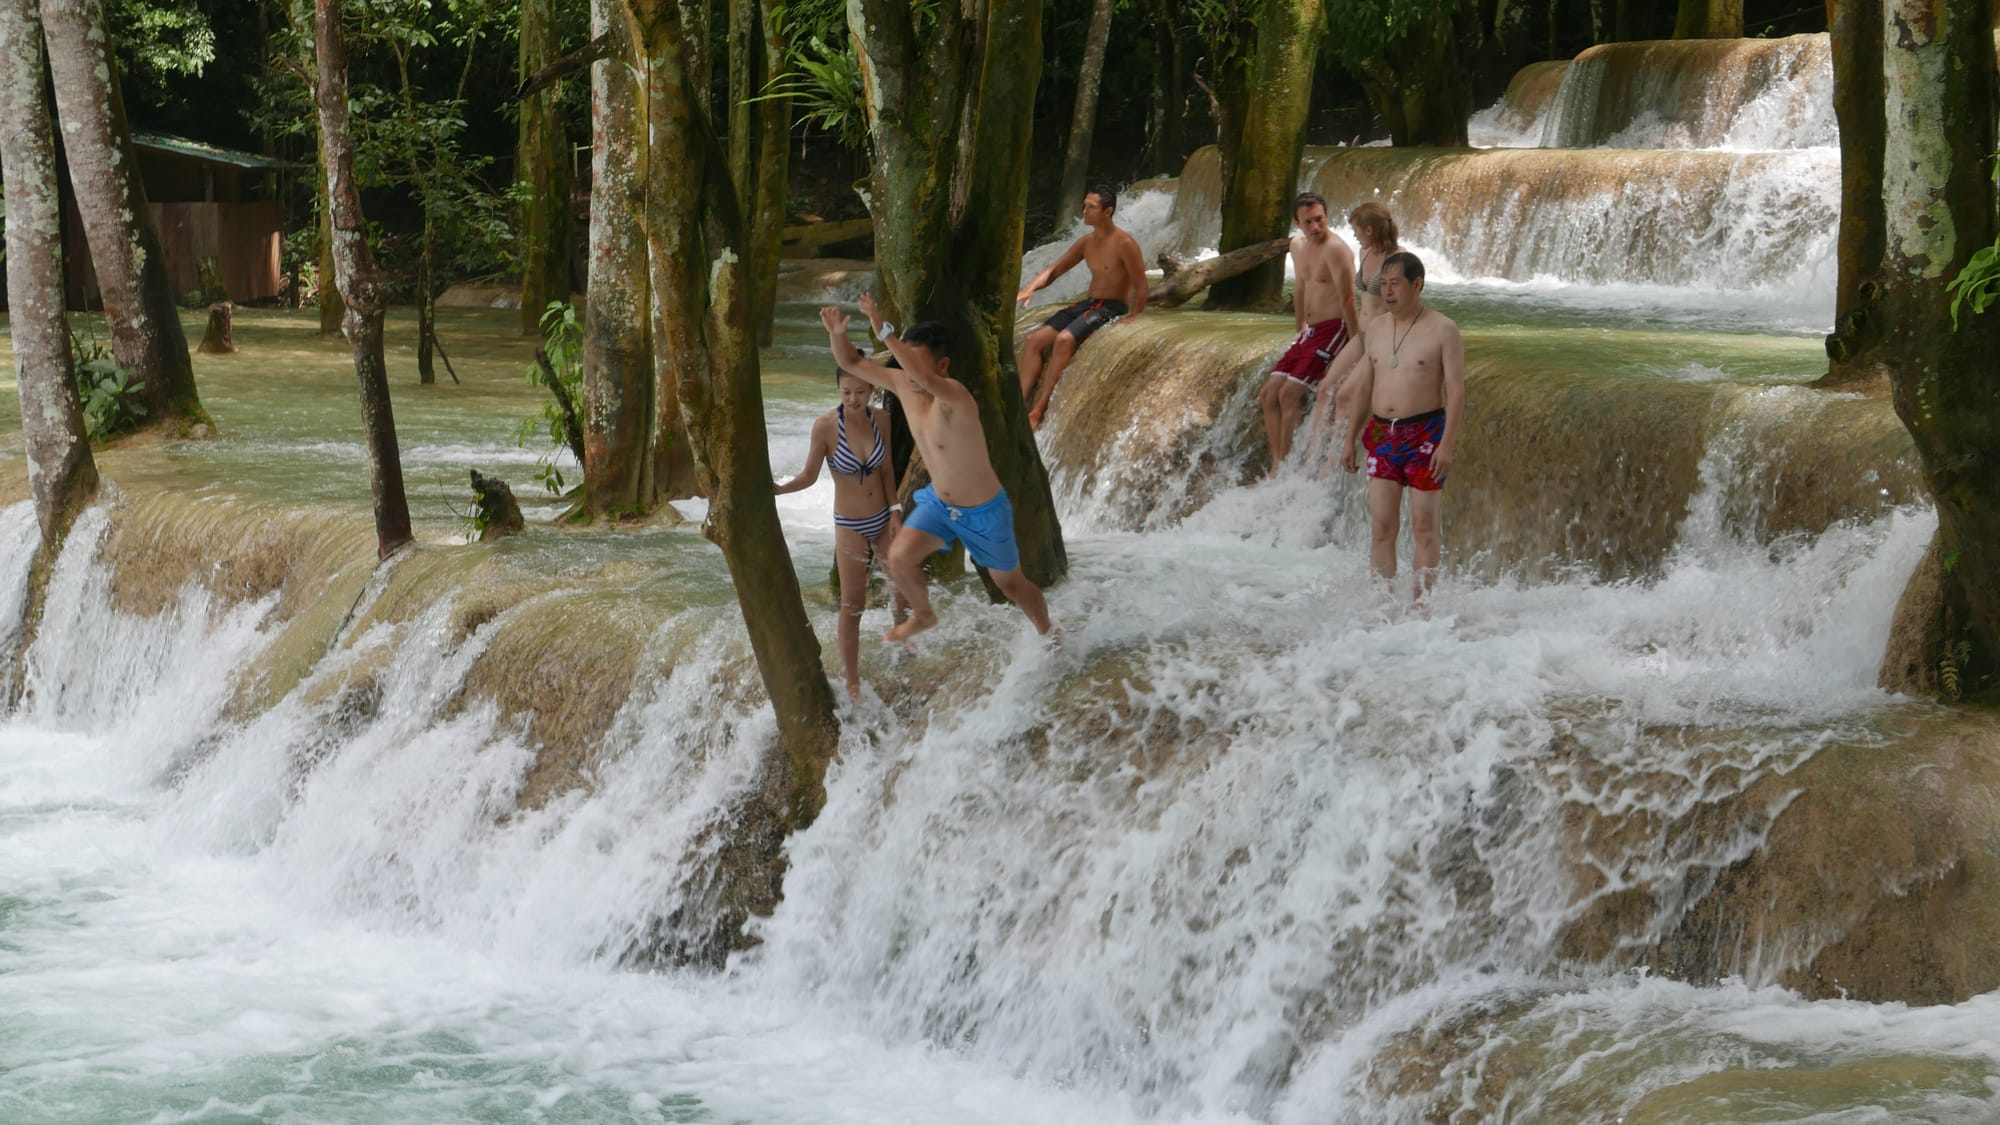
(1742, 95)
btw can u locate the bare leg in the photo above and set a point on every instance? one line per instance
(1267, 403)
(850, 555)
(1291, 405)
(1024, 593)
(1424, 511)
(899, 606)
(1385, 513)
(1032, 348)
(906, 566)
(1060, 354)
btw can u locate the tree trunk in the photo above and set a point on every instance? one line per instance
(1933, 138)
(700, 270)
(139, 299)
(61, 473)
(618, 393)
(541, 159)
(1166, 118)
(332, 310)
(1709, 19)
(220, 339)
(360, 282)
(1858, 106)
(757, 156)
(1265, 174)
(1083, 123)
(949, 127)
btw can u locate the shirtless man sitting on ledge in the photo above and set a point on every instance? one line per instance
(1117, 274)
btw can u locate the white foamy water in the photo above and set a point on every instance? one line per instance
(1251, 822)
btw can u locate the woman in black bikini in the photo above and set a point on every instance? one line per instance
(851, 439)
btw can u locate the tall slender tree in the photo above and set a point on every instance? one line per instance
(361, 282)
(949, 96)
(699, 251)
(1083, 118)
(541, 158)
(760, 117)
(139, 308)
(1926, 131)
(1263, 174)
(1709, 19)
(61, 471)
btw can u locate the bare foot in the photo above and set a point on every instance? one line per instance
(914, 624)
(854, 691)
(1054, 637)
(1035, 418)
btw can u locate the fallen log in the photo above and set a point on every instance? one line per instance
(1184, 278)
(806, 239)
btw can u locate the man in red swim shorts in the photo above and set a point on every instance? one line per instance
(1323, 307)
(1408, 404)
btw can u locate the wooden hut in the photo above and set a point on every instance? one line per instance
(208, 202)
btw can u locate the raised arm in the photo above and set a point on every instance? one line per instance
(815, 456)
(848, 358)
(916, 369)
(1056, 269)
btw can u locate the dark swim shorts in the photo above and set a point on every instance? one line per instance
(1305, 362)
(1399, 449)
(1086, 316)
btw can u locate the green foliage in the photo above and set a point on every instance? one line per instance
(1950, 666)
(160, 40)
(112, 400)
(1374, 29)
(824, 85)
(1978, 284)
(562, 339)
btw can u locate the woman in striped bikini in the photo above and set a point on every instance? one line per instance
(865, 516)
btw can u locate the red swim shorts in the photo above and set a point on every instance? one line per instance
(1399, 449)
(1305, 361)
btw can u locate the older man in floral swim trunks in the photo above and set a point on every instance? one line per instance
(1409, 402)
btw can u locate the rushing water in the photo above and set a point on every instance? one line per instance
(1257, 843)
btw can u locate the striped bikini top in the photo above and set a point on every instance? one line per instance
(843, 460)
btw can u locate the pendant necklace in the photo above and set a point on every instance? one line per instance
(1396, 345)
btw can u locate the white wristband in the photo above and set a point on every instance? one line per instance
(887, 330)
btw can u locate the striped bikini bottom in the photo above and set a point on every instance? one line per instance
(868, 527)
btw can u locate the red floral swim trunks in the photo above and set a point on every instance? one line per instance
(1399, 449)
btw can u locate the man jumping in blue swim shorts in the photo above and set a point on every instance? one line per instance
(964, 501)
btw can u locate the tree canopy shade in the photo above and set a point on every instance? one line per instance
(949, 94)
(1273, 78)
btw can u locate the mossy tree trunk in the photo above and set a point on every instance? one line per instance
(618, 398)
(950, 120)
(699, 250)
(1857, 103)
(1709, 19)
(541, 158)
(61, 472)
(332, 310)
(758, 161)
(139, 301)
(361, 282)
(1931, 132)
(1264, 174)
(1083, 118)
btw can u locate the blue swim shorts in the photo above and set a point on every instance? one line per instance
(987, 531)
